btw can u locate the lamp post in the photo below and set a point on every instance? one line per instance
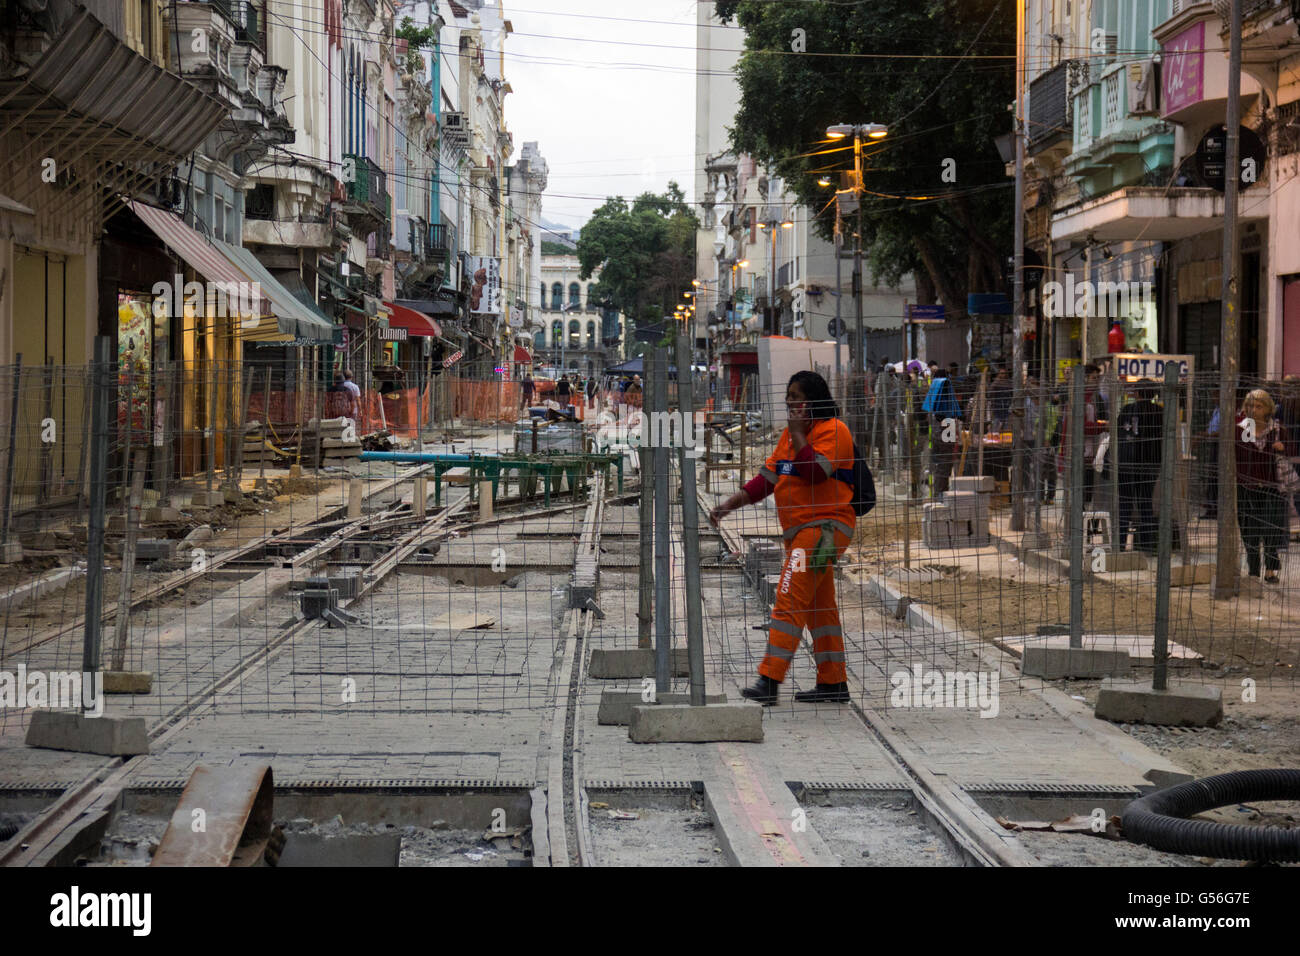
(872, 131)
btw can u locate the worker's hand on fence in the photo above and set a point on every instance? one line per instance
(717, 514)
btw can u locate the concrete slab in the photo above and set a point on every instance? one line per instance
(631, 663)
(11, 552)
(1188, 574)
(616, 705)
(208, 499)
(1140, 647)
(128, 682)
(682, 723)
(1181, 705)
(1123, 561)
(1053, 663)
(111, 736)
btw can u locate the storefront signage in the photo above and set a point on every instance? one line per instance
(391, 334)
(453, 358)
(1183, 69)
(1139, 365)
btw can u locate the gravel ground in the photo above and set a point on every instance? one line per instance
(880, 834)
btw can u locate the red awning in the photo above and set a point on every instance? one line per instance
(522, 356)
(415, 323)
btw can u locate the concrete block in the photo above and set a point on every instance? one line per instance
(154, 549)
(971, 483)
(634, 662)
(128, 682)
(1124, 561)
(348, 585)
(682, 723)
(616, 705)
(160, 514)
(1054, 663)
(355, 497)
(208, 499)
(1134, 702)
(111, 736)
(1186, 575)
(11, 552)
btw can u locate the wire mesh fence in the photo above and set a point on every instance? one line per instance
(243, 502)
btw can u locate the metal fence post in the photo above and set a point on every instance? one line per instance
(1117, 533)
(645, 455)
(1076, 507)
(663, 585)
(12, 451)
(97, 488)
(1165, 532)
(690, 523)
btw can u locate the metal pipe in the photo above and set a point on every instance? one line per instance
(11, 453)
(1076, 507)
(1165, 532)
(1117, 533)
(98, 480)
(690, 525)
(1018, 291)
(663, 611)
(1228, 563)
(645, 573)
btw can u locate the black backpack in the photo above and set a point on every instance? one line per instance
(864, 488)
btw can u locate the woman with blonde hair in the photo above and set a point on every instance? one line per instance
(1261, 512)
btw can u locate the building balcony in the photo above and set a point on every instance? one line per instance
(442, 242)
(1050, 112)
(366, 201)
(1153, 213)
(1116, 139)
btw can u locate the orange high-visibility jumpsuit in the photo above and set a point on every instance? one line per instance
(814, 491)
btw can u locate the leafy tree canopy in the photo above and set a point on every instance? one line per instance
(939, 74)
(645, 251)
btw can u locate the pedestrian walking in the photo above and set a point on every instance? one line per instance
(1261, 514)
(355, 390)
(811, 475)
(526, 397)
(1141, 426)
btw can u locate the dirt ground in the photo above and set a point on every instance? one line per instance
(1260, 634)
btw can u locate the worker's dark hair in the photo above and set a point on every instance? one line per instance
(818, 394)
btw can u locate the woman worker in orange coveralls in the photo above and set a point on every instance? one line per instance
(811, 473)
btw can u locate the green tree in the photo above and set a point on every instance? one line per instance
(645, 251)
(939, 74)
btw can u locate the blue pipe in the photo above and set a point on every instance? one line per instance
(423, 457)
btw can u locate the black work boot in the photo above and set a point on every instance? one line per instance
(764, 691)
(825, 694)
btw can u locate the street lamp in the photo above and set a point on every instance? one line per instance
(872, 131)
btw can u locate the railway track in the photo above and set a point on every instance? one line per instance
(50, 838)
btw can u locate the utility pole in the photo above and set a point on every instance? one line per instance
(1018, 292)
(1227, 569)
(839, 322)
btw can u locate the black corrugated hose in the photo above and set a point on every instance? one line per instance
(1155, 820)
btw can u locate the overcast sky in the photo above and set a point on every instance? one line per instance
(607, 89)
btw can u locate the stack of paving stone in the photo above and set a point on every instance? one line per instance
(333, 447)
(960, 518)
(254, 448)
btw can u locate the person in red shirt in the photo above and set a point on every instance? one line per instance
(1261, 509)
(811, 476)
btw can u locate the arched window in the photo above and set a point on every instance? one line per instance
(557, 297)
(539, 340)
(575, 333)
(542, 300)
(575, 295)
(591, 335)
(557, 334)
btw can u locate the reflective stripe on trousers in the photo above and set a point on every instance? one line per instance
(806, 599)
